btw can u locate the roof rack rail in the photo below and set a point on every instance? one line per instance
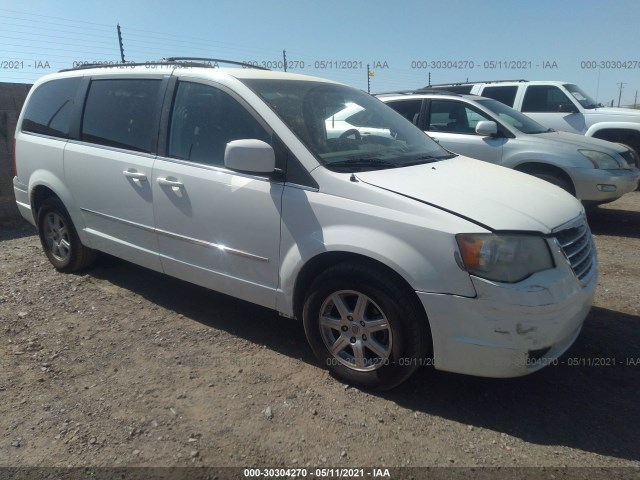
(475, 81)
(215, 60)
(169, 61)
(436, 91)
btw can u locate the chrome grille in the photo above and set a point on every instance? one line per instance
(577, 246)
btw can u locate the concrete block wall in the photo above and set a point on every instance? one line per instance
(12, 96)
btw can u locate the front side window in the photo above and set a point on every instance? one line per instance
(204, 119)
(344, 128)
(454, 117)
(544, 98)
(512, 117)
(50, 106)
(122, 113)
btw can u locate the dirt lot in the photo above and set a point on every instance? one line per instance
(121, 366)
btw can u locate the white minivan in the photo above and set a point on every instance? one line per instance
(393, 252)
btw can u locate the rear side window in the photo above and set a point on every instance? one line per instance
(455, 88)
(409, 109)
(506, 95)
(49, 109)
(122, 113)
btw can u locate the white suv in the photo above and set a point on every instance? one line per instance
(562, 106)
(392, 251)
(593, 170)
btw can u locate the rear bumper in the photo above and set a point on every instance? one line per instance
(508, 330)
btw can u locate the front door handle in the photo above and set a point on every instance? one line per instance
(170, 183)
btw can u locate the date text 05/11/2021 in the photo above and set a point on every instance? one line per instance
(316, 472)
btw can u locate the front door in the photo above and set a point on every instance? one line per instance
(452, 123)
(544, 103)
(216, 227)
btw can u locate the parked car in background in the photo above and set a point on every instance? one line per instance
(595, 171)
(562, 106)
(391, 250)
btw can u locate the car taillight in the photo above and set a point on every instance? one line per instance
(15, 168)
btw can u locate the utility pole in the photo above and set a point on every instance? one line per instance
(429, 84)
(120, 42)
(284, 56)
(368, 79)
(620, 94)
(635, 100)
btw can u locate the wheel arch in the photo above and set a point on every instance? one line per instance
(627, 136)
(532, 167)
(323, 261)
(38, 195)
(48, 186)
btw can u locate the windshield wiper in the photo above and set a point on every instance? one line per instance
(427, 159)
(362, 163)
(548, 130)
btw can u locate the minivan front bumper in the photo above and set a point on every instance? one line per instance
(508, 330)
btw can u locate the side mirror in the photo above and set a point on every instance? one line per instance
(486, 128)
(251, 155)
(567, 108)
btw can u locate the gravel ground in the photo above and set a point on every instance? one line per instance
(121, 366)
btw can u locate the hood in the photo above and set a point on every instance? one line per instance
(627, 112)
(581, 142)
(495, 197)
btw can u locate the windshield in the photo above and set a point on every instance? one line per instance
(512, 117)
(346, 129)
(585, 100)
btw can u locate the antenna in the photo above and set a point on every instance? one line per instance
(120, 42)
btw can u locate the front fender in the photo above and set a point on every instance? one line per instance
(422, 270)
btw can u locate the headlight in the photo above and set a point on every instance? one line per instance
(601, 160)
(503, 258)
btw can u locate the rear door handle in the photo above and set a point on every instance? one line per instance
(170, 183)
(141, 177)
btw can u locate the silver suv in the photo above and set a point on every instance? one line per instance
(593, 170)
(560, 105)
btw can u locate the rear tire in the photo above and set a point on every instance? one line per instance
(59, 238)
(364, 328)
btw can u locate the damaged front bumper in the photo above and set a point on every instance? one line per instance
(509, 330)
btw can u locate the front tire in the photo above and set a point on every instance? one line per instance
(59, 238)
(364, 327)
